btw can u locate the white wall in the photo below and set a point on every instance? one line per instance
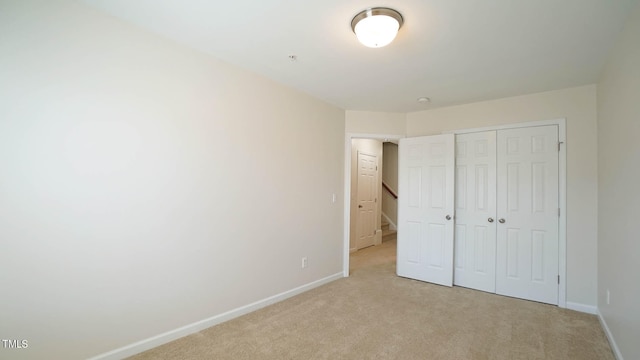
(618, 192)
(372, 122)
(145, 186)
(372, 147)
(578, 106)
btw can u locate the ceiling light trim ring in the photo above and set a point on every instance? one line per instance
(376, 11)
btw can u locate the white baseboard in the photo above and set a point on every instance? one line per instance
(612, 342)
(169, 336)
(589, 309)
(392, 225)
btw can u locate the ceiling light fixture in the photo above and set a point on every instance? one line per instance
(377, 27)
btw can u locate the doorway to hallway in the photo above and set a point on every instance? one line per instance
(373, 193)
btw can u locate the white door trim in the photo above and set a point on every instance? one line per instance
(562, 189)
(347, 189)
(559, 122)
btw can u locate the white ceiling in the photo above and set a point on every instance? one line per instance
(451, 51)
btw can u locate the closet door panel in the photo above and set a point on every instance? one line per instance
(426, 208)
(475, 231)
(527, 211)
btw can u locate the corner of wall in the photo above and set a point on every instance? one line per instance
(607, 332)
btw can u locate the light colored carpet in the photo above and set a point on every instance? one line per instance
(374, 314)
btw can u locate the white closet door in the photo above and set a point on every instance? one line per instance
(425, 208)
(475, 198)
(527, 229)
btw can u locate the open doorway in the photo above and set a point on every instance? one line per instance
(372, 201)
(389, 214)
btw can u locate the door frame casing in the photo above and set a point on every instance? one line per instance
(347, 189)
(562, 188)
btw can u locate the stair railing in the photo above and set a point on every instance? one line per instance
(388, 188)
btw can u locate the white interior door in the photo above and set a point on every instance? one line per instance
(528, 215)
(366, 200)
(425, 208)
(475, 225)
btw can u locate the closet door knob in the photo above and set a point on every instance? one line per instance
(448, 217)
(501, 221)
(490, 220)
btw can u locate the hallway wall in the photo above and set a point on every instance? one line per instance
(390, 177)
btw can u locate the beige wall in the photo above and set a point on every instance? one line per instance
(145, 186)
(578, 106)
(371, 147)
(371, 122)
(390, 177)
(618, 192)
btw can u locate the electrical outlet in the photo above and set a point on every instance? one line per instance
(608, 297)
(304, 262)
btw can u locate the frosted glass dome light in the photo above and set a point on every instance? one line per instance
(376, 27)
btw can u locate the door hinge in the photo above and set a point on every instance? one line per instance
(558, 279)
(560, 143)
(375, 200)
(558, 212)
(376, 167)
